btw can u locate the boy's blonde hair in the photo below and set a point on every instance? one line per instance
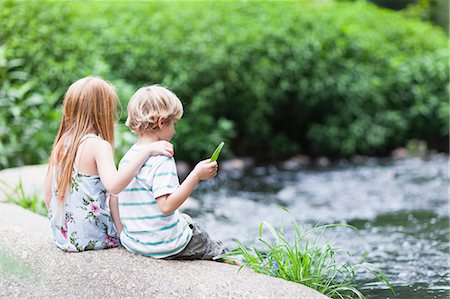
(150, 103)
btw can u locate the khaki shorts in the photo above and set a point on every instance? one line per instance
(200, 247)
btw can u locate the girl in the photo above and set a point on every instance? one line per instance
(82, 171)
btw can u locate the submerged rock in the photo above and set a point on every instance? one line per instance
(357, 159)
(297, 162)
(399, 153)
(287, 194)
(237, 164)
(323, 162)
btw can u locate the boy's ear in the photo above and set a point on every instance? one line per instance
(161, 122)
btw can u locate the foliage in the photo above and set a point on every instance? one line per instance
(326, 87)
(28, 120)
(307, 261)
(269, 80)
(435, 11)
(53, 39)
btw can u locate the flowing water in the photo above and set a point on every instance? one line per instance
(400, 209)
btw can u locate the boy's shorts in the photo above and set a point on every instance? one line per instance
(200, 247)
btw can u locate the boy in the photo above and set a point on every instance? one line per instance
(148, 207)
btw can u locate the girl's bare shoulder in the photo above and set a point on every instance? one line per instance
(97, 144)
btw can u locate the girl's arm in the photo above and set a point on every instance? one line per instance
(204, 170)
(48, 186)
(114, 207)
(113, 180)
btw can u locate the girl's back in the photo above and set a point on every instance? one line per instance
(82, 221)
(76, 199)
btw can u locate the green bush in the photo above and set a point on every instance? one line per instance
(38, 44)
(53, 39)
(28, 120)
(320, 78)
(332, 79)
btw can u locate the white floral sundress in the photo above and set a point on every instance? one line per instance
(82, 221)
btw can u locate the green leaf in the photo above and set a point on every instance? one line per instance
(216, 152)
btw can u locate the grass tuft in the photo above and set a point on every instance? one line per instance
(306, 260)
(16, 195)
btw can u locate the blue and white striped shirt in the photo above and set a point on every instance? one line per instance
(146, 230)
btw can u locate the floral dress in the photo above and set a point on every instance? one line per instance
(82, 221)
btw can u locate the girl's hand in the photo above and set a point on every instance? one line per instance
(206, 170)
(161, 147)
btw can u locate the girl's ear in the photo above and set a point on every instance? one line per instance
(161, 122)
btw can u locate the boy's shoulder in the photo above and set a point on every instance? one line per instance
(158, 165)
(160, 160)
(129, 155)
(152, 161)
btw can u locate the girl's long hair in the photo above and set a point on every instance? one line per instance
(89, 106)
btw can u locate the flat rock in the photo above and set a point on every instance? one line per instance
(32, 266)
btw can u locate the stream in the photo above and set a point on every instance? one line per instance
(400, 208)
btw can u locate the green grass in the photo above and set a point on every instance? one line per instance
(17, 195)
(307, 261)
(10, 266)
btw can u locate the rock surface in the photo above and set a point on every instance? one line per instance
(32, 266)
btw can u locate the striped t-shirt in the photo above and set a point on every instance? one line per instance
(146, 230)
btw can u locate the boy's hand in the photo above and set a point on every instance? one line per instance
(205, 170)
(161, 147)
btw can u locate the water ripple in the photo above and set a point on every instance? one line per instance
(400, 208)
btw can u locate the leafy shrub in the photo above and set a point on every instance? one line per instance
(54, 41)
(271, 80)
(37, 44)
(28, 121)
(325, 87)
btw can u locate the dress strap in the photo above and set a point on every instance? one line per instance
(89, 136)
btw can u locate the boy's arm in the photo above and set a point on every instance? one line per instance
(114, 207)
(204, 170)
(170, 202)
